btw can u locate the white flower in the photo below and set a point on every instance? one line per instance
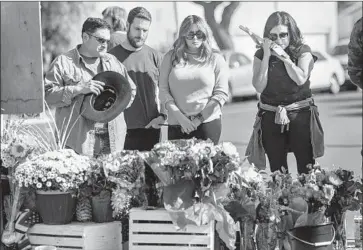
(58, 179)
(18, 150)
(229, 149)
(48, 184)
(44, 179)
(8, 161)
(328, 191)
(39, 185)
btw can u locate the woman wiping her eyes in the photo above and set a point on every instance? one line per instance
(193, 84)
(287, 119)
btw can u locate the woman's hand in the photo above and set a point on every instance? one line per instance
(267, 44)
(187, 125)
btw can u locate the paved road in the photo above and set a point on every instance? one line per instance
(341, 118)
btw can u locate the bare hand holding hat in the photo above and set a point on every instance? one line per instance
(112, 101)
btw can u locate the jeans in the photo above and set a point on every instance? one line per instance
(209, 130)
(297, 140)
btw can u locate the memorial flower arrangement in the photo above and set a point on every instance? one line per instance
(195, 174)
(123, 173)
(201, 161)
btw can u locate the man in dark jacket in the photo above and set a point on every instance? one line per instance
(355, 54)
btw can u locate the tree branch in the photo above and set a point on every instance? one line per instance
(212, 4)
(200, 3)
(228, 13)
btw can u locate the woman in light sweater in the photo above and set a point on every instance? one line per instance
(193, 84)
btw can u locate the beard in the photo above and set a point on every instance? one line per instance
(135, 42)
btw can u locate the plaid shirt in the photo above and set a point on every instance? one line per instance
(355, 54)
(65, 72)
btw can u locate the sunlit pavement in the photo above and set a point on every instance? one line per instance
(341, 118)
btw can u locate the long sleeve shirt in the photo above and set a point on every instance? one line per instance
(65, 72)
(143, 67)
(355, 54)
(193, 85)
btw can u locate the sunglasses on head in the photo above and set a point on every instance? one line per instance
(199, 34)
(282, 35)
(99, 39)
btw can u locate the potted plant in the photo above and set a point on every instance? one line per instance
(122, 175)
(100, 194)
(55, 175)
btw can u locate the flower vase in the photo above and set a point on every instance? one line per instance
(55, 207)
(319, 237)
(101, 208)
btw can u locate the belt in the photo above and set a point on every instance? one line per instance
(101, 131)
(281, 111)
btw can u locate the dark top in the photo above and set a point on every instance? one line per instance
(143, 68)
(281, 89)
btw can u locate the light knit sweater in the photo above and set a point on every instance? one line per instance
(192, 86)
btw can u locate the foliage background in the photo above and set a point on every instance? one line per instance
(61, 26)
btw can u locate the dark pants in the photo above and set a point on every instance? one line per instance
(297, 140)
(209, 130)
(144, 140)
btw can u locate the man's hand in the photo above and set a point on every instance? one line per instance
(155, 122)
(91, 86)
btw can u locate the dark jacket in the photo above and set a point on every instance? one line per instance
(355, 54)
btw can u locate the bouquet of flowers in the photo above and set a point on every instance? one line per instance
(195, 174)
(347, 196)
(198, 160)
(17, 144)
(62, 170)
(124, 173)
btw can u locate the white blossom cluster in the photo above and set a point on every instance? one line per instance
(56, 170)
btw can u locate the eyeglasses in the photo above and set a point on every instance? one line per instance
(199, 34)
(282, 35)
(99, 39)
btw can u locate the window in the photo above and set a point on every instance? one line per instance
(319, 56)
(340, 50)
(237, 60)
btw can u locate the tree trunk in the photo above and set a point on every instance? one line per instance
(220, 30)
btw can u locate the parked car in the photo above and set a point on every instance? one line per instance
(340, 52)
(240, 74)
(328, 74)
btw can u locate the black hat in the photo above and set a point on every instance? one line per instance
(111, 102)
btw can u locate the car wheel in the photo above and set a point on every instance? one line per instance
(334, 85)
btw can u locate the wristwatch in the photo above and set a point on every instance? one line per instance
(165, 116)
(200, 117)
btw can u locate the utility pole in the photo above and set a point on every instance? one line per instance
(276, 5)
(176, 19)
